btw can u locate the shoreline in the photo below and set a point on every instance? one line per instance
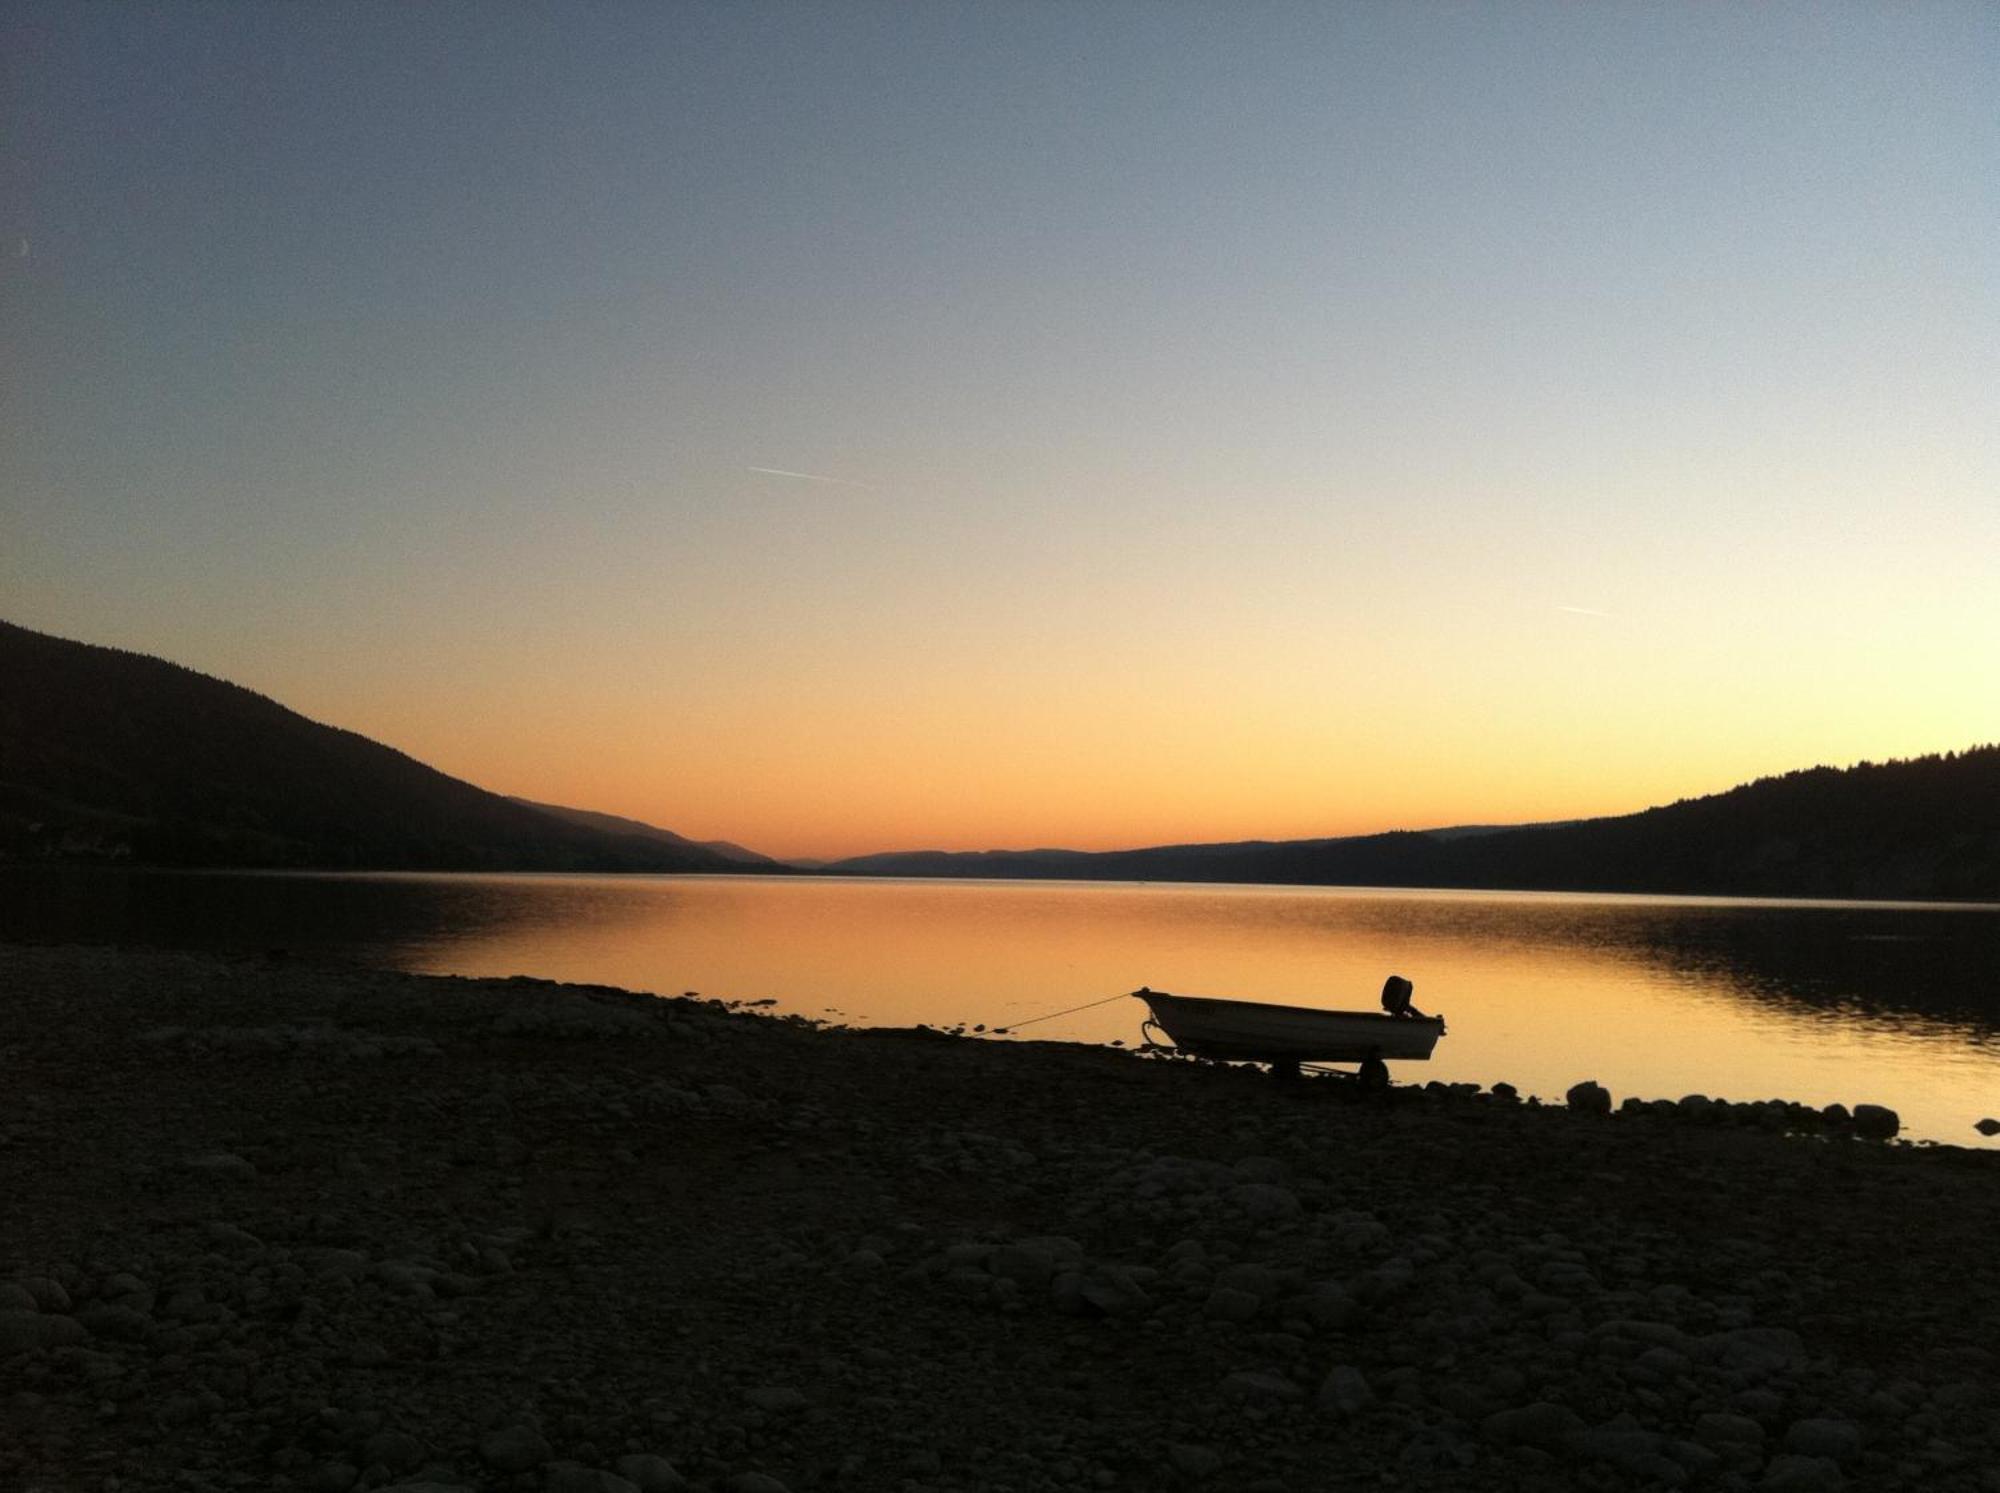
(321, 1227)
(785, 871)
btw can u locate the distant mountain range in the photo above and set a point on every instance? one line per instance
(110, 755)
(613, 824)
(1925, 828)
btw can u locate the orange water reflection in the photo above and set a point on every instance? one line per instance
(1847, 1002)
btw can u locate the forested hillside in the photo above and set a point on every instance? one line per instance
(1923, 828)
(111, 755)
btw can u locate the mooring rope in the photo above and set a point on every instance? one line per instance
(1001, 1031)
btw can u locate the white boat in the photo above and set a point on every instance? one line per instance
(1251, 1031)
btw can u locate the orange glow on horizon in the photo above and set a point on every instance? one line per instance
(1125, 780)
(1104, 728)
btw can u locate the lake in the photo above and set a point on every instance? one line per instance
(1894, 1004)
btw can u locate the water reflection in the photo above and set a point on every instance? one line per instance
(1818, 1002)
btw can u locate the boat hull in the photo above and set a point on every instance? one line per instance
(1251, 1031)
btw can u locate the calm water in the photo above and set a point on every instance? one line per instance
(1896, 1004)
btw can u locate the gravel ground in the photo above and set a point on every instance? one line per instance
(273, 1225)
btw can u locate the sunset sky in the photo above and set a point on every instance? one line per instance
(860, 427)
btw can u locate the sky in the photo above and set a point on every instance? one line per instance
(883, 426)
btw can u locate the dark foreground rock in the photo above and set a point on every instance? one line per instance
(278, 1226)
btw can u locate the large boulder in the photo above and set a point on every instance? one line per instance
(1876, 1121)
(1590, 1097)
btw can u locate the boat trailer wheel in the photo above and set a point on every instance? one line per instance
(1374, 1075)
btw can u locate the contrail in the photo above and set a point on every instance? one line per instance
(1583, 611)
(811, 477)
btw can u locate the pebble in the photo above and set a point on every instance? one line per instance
(225, 1164)
(1251, 1385)
(1543, 1424)
(1260, 1281)
(121, 1323)
(1755, 1351)
(1022, 1263)
(1192, 1461)
(1112, 1290)
(1265, 1200)
(574, 1477)
(1227, 1305)
(1835, 1440)
(1635, 1452)
(755, 1482)
(650, 1474)
(1795, 1474)
(396, 1450)
(23, 1332)
(514, 1449)
(48, 1294)
(1719, 1429)
(1344, 1390)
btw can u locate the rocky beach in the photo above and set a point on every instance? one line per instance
(272, 1224)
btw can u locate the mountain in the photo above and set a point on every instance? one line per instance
(106, 754)
(613, 824)
(1919, 829)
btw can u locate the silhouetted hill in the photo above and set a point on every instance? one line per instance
(617, 825)
(1925, 828)
(106, 754)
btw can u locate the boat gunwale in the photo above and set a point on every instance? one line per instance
(1149, 996)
